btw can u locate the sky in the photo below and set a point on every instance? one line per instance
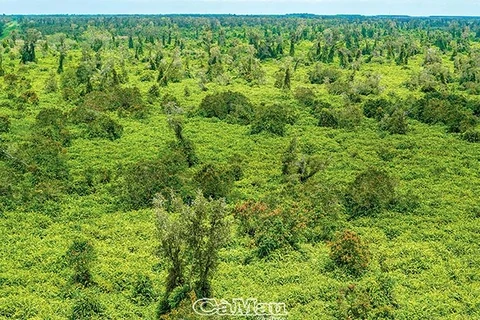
(327, 7)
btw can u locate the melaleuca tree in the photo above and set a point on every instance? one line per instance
(283, 77)
(190, 238)
(215, 64)
(171, 71)
(299, 167)
(27, 52)
(2, 71)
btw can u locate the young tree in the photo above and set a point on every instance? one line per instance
(190, 238)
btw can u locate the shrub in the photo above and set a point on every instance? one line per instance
(395, 123)
(214, 181)
(376, 108)
(471, 136)
(46, 158)
(349, 117)
(270, 229)
(98, 125)
(105, 127)
(305, 96)
(272, 119)
(371, 191)
(4, 124)
(51, 123)
(327, 118)
(143, 180)
(231, 106)
(321, 74)
(348, 251)
(373, 299)
(80, 257)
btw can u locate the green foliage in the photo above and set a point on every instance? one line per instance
(449, 109)
(183, 145)
(143, 180)
(299, 167)
(350, 252)
(327, 118)
(98, 124)
(215, 181)
(126, 101)
(395, 122)
(231, 106)
(143, 292)
(272, 119)
(87, 306)
(371, 192)
(190, 237)
(269, 229)
(322, 73)
(51, 123)
(373, 299)
(376, 108)
(80, 257)
(471, 135)
(4, 124)
(305, 96)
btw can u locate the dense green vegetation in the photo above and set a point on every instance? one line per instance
(329, 163)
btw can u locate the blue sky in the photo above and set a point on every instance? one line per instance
(366, 7)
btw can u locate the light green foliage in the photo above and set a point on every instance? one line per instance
(126, 123)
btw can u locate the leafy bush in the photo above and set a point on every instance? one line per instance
(51, 123)
(349, 117)
(395, 122)
(80, 257)
(143, 180)
(214, 181)
(4, 124)
(272, 119)
(321, 74)
(449, 109)
(371, 192)
(305, 96)
(98, 125)
(372, 299)
(126, 101)
(348, 251)
(471, 135)
(231, 106)
(270, 229)
(327, 118)
(376, 108)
